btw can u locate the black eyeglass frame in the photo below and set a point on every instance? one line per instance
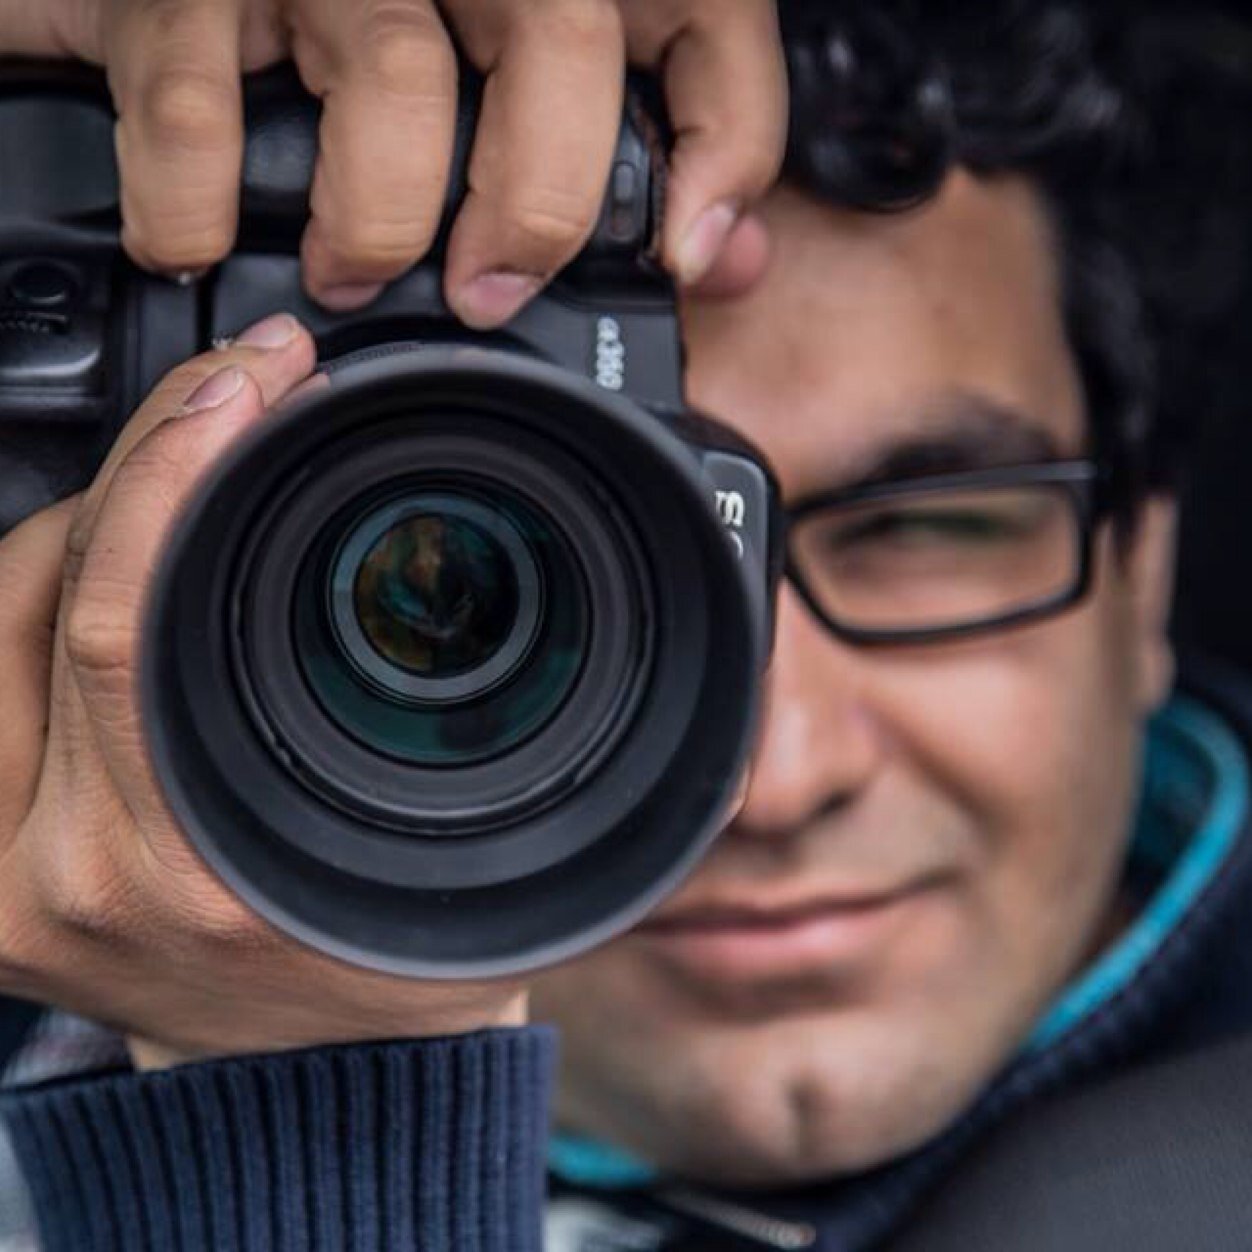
(1086, 483)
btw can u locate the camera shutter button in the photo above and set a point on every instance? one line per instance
(41, 285)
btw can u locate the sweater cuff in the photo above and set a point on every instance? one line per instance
(437, 1144)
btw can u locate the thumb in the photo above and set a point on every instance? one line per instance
(118, 554)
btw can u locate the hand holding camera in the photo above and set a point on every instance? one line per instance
(386, 74)
(475, 678)
(107, 910)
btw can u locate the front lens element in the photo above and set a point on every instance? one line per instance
(454, 620)
(436, 595)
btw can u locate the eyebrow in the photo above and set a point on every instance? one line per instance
(967, 432)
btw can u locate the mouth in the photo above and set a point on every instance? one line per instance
(735, 943)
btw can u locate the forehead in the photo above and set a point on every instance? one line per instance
(873, 333)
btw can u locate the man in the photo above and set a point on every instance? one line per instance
(976, 822)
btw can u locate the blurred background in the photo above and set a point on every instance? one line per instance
(1190, 66)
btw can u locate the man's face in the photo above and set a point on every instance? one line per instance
(932, 836)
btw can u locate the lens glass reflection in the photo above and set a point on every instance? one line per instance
(442, 621)
(436, 595)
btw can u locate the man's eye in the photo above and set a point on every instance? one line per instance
(909, 527)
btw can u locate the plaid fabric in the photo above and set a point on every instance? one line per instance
(60, 1045)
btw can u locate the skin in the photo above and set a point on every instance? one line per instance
(107, 911)
(959, 777)
(386, 73)
(964, 776)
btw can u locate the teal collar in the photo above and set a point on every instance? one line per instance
(1194, 801)
(1193, 804)
(589, 1163)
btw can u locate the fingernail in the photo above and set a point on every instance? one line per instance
(698, 248)
(215, 390)
(491, 299)
(345, 296)
(276, 331)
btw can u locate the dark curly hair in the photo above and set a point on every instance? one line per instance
(1104, 108)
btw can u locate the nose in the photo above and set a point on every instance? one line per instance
(819, 745)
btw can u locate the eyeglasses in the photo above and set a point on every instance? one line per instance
(947, 555)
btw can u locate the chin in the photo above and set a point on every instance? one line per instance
(764, 1105)
(813, 1137)
(766, 1090)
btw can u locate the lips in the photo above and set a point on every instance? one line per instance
(737, 941)
(754, 912)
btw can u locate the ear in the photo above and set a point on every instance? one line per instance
(1150, 568)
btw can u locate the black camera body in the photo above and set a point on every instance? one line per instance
(451, 669)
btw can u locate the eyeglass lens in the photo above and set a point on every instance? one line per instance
(940, 560)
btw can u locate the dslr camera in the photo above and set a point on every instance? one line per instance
(451, 669)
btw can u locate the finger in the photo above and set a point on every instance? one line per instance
(386, 73)
(103, 611)
(50, 30)
(551, 109)
(263, 36)
(726, 91)
(31, 557)
(277, 353)
(740, 265)
(174, 71)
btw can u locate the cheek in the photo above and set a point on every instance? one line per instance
(1019, 753)
(1034, 736)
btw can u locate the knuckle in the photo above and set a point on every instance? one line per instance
(552, 223)
(83, 894)
(175, 248)
(401, 48)
(185, 108)
(379, 246)
(99, 640)
(176, 231)
(579, 24)
(75, 907)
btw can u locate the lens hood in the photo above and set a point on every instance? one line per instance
(466, 824)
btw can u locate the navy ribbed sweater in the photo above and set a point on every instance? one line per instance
(433, 1145)
(440, 1144)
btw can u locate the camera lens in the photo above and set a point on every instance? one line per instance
(455, 620)
(436, 595)
(451, 670)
